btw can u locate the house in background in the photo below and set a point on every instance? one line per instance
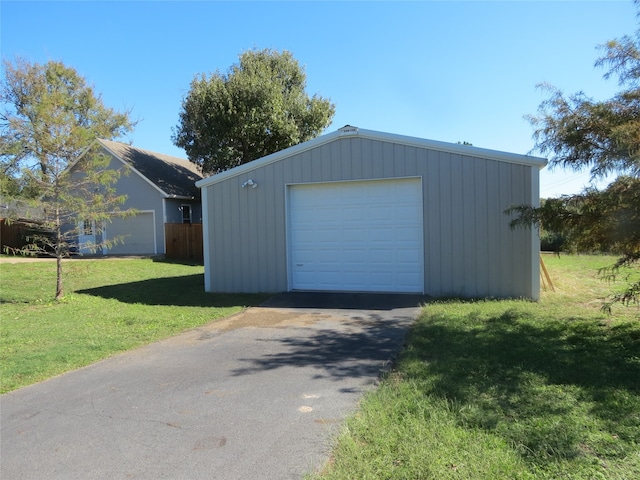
(364, 211)
(162, 190)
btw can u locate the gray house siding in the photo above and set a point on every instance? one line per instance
(173, 212)
(142, 196)
(469, 248)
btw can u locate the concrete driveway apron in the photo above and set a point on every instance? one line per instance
(259, 395)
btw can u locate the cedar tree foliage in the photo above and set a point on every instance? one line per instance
(52, 172)
(259, 107)
(578, 132)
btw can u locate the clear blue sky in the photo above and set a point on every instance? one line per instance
(449, 71)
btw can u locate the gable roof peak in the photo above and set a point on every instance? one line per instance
(348, 130)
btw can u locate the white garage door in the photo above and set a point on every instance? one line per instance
(356, 236)
(137, 232)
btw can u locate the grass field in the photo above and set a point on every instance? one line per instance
(507, 390)
(110, 306)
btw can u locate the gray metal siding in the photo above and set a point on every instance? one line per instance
(470, 250)
(141, 196)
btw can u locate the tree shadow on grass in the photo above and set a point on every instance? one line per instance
(554, 389)
(187, 291)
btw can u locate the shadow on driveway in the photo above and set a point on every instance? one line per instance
(353, 335)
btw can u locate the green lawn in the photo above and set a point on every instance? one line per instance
(110, 306)
(507, 390)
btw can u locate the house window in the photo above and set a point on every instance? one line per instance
(186, 213)
(87, 228)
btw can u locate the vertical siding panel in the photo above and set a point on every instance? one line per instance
(209, 224)
(269, 276)
(518, 196)
(367, 156)
(259, 217)
(456, 232)
(294, 169)
(254, 216)
(432, 179)
(305, 163)
(507, 235)
(316, 163)
(448, 245)
(234, 269)
(399, 165)
(326, 162)
(243, 263)
(356, 158)
(409, 164)
(224, 208)
(216, 241)
(344, 159)
(528, 273)
(495, 227)
(481, 227)
(377, 159)
(279, 229)
(336, 167)
(389, 159)
(469, 228)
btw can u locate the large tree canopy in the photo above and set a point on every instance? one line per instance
(578, 132)
(49, 121)
(259, 107)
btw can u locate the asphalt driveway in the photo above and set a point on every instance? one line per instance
(259, 395)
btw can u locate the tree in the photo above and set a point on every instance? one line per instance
(579, 132)
(257, 108)
(51, 166)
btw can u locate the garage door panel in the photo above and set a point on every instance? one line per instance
(136, 235)
(406, 255)
(356, 236)
(381, 234)
(407, 234)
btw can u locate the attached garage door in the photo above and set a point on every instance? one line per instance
(356, 236)
(138, 235)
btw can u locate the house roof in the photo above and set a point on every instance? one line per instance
(349, 131)
(174, 177)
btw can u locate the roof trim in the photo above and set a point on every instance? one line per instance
(349, 131)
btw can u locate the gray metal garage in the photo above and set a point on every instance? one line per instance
(364, 211)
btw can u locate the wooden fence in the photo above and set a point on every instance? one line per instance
(12, 235)
(183, 241)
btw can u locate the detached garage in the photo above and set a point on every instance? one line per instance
(364, 211)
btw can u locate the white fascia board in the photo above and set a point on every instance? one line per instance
(466, 150)
(261, 162)
(82, 154)
(133, 169)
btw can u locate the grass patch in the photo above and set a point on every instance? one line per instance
(507, 390)
(110, 306)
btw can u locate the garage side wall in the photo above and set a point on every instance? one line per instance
(470, 251)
